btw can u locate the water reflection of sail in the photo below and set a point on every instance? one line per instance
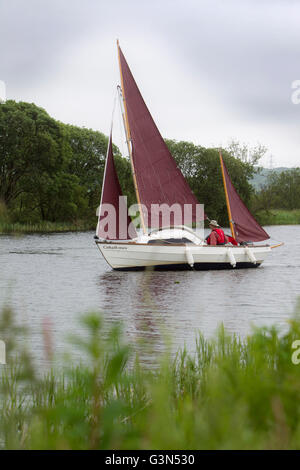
(142, 316)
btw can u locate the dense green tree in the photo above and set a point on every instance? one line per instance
(30, 143)
(35, 158)
(282, 191)
(87, 164)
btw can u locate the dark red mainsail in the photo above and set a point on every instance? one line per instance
(159, 180)
(114, 222)
(246, 228)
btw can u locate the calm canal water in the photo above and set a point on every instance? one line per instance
(60, 276)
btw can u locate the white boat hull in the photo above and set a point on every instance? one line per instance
(161, 256)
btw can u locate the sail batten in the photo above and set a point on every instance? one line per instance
(158, 179)
(245, 226)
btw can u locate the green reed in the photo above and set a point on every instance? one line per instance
(230, 393)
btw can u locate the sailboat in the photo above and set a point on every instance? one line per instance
(160, 188)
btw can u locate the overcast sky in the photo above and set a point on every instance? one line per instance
(209, 71)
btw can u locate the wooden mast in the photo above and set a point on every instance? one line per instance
(129, 144)
(227, 198)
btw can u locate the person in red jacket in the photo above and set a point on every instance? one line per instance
(217, 236)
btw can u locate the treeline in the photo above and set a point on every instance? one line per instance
(281, 191)
(50, 171)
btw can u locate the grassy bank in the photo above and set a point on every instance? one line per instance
(279, 217)
(230, 394)
(44, 227)
(273, 217)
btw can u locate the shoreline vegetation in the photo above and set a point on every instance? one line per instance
(230, 393)
(44, 227)
(271, 217)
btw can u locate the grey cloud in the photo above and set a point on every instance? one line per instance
(249, 53)
(245, 54)
(34, 35)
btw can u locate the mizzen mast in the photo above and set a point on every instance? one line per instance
(227, 198)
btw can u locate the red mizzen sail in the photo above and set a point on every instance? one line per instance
(114, 222)
(159, 180)
(246, 228)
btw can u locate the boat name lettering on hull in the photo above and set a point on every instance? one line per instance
(114, 247)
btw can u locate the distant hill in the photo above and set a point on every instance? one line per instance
(260, 178)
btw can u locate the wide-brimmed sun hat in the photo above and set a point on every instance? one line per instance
(214, 223)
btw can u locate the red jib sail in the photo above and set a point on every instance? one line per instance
(159, 180)
(246, 228)
(114, 222)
